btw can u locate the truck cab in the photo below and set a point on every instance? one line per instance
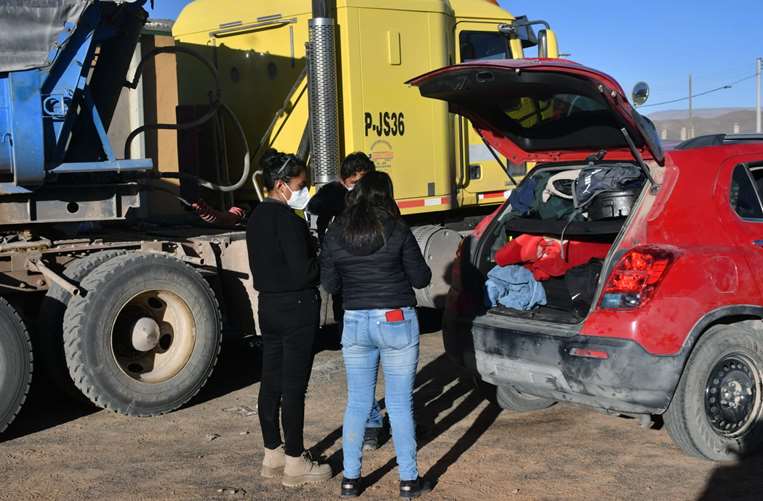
(436, 160)
(480, 179)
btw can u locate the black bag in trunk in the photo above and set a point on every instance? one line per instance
(598, 179)
(581, 284)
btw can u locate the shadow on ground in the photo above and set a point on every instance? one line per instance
(435, 415)
(239, 365)
(741, 480)
(45, 407)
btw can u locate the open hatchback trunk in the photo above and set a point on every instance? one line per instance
(543, 256)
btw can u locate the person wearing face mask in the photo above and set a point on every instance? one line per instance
(285, 272)
(329, 202)
(327, 205)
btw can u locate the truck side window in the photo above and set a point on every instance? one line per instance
(744, 196)
(483, 45)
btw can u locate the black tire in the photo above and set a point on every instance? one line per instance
(49, 344)
(723, 353)
(99, 334)
(15, 364)
(511, 399)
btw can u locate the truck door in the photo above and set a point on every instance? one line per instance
(478, 175)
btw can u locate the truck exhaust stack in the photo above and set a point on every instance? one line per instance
(322, 93)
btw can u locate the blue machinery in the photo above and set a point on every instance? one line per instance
(56, 162)
(54, 151)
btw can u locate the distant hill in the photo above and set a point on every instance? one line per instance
(701, 113)
(673, 125)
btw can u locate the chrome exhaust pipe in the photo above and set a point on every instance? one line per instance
(323, 94)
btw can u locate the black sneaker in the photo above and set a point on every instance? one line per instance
(414, 488)
(371, 439)
(350, 487)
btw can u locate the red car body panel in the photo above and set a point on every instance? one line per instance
(627, 359)
(717, 263)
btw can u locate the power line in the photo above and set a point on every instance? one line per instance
(722, 87)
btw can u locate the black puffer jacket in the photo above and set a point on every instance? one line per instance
(379, 277)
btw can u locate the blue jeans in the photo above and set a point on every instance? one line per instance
(366, 338)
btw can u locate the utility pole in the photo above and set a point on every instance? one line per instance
(691, 112)
(758, 67)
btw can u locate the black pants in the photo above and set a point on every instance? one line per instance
(288, 322)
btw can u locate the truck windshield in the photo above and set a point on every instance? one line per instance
(483, 45)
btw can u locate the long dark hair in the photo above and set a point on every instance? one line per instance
(369, 206)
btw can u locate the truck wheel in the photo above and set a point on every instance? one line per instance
(50, 345)
(145, 336)
(15, 363)
(512, 399)
(716, 410)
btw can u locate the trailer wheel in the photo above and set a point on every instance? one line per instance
(15, 363)
(717, 409)
(513, 400)
(50, 338)
(145, 336)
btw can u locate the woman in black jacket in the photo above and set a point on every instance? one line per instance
(285, 272)
(371, 256)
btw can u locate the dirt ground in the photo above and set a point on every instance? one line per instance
(211, 448)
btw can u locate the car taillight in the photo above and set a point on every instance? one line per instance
(635, 277)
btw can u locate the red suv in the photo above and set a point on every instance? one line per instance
(616, 276)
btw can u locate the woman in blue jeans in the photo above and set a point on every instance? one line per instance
(371, 256)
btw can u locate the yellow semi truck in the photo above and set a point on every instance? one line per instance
(327, 79)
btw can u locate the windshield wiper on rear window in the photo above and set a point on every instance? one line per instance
(639, 159)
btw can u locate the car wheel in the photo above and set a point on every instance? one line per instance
(716, 410)
(145, 336)
(15, 363)
(511, 399)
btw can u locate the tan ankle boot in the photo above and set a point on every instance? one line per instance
(273, 463)
(303, 469)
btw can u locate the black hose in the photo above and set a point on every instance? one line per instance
(247, 160)
(215, 107)
(133, 84)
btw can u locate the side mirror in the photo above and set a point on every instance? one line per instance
(640, 93)
(548, 47)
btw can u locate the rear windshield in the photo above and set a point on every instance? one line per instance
(530, 113)
(536, 111)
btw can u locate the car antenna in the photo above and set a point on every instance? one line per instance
(495, 155)
(639, 159)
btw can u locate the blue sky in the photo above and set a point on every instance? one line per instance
(660, 42)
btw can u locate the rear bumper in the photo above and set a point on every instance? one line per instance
(629, 380)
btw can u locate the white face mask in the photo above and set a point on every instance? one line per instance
(298, 199)
(351, 187)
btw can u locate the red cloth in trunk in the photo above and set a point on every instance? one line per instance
(543, 256)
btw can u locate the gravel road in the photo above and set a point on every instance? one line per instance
(211, 448)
